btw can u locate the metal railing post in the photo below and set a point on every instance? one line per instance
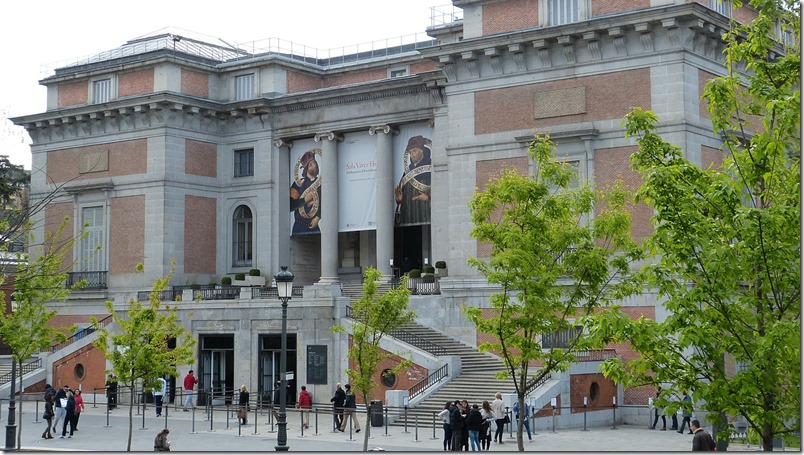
(554, 419)
(584, 415)
(192, 431)
(385, 411)
(416, 430)
(406, 420)
(614, 413)
(434, 427)
(511, 424)
(36, 414)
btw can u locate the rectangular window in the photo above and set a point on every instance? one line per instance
(92, 245)
(244, 87)
(244, 163)
(721, 6)
(398, 72)
(102, 91)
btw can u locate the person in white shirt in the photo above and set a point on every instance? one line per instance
(498, 408)
(159, 394)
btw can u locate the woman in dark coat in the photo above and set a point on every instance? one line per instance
(48, 415)
(69, 416)
(242, 413)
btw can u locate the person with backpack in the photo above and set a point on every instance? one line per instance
(701, 440)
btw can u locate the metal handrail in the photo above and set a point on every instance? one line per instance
(430, 380)
(408, 337)
(167, 295)
(534, 383)
(25, 368)
(95, 279)
(270, 292)
(81, 334)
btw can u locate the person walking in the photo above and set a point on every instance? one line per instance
(79, 407)
(686, 413)
(498, 408)
(464, 430)
(159, 395)
(111, 392)
(189, 384)
(350, 410)
(69, 416)
(61, 394)
(48, 416)
(658, 412)
(473, 422)
(701, 441)
(337, 406)
(161, 443)
(456, 425)
(525, 419)
(305, 403)
(243, 405)
(444, 415)
(277, 398)
(485, 427)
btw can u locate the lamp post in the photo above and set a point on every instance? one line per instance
(284, 287)
(11, 426)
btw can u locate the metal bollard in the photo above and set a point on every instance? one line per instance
(584, 415)
(406, 420)
(614, 413)
(554, 419)
(211, 417)
(143, 416)
(416, 430)
(316, 423)
(193, 426)
(107, 417)
(228, 414)
(255, 419)
(511, 424)
(36, 414)
(301, 424)
(385, 411)
(167, 408)
(434, 428)
(94, 398)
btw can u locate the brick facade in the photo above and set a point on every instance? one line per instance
(194, 83)
(135, 82)
(121, 158)
(404, 380)
(200, 236)
(73, 93)
(200, 158)
(84, 368)
(598, 390)
(55, 214)
(513, 108)
(608, 170)
(485, 171)
(510, 15)
(603, 7)
(356, 77)
(127, 228)
(302, 82)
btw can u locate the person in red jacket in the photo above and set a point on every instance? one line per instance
(305, 401)
(189, 383)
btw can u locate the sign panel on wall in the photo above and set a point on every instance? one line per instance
(317, 364)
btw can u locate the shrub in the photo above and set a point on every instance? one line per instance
(428, 269)
(226, 281)
(254, 272)
(213, 283)
(441, 265)
(415, 273)
(240, 276)
(428, 278)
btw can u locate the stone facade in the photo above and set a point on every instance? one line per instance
(157, 158)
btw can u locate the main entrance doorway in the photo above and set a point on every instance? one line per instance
(270, 354)
(411, 247)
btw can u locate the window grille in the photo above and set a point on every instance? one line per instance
(562, 338)
(102, 91)
(244, 87)
(563, 11)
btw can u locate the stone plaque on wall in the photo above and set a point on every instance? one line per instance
(94, 161)
(555, 103)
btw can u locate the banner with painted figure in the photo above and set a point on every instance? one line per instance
(305, 188)
(357, 187)
(412, 173)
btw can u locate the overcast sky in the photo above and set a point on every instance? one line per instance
(38, 34)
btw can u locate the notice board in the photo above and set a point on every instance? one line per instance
(317, 364)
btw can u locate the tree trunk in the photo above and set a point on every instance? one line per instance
(130, 417)
(367, 426)
(19, 411)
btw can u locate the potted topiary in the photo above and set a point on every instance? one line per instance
(415, 273)
(427, 274)
(254, 278)
(240, 279)
(441, 268)
(226, 281)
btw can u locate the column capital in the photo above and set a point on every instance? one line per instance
(374, 129)
(279, 143)
(328, 135)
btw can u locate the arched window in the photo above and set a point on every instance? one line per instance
(243, 237)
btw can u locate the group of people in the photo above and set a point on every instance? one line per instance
(344, 407)
(64, 405)
(466, 426)
(701, 440)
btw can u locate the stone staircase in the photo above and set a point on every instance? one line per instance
(355, 290)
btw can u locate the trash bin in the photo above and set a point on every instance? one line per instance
(376, 413)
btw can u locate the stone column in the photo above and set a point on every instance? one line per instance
(280, 216)
(329, 204)
(385, 198)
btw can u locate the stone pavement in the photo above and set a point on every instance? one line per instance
(186, 435)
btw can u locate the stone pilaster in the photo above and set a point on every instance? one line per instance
(385, 197)
(329, 201)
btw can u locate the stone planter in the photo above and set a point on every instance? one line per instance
(441, 272)
(255, 280)
(239, 282)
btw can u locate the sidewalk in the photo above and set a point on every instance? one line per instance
(95, 435)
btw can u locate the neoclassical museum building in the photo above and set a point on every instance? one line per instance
(170, 151)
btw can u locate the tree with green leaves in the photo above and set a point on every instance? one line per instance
(558, 252)
(727, 243)
(373, 317)
(138, 349)
(38, 282)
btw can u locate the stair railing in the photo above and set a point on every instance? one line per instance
(81, 334)
(25, 368)
(534, 383)
(430, 380)
(408, 337)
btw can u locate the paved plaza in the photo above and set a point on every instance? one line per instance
(185, 435)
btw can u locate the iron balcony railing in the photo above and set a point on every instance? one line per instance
(166, 295)
(534, 383)
(94, 279)
(270, 292)
(434, 378)
(81, 334)
(25, 368)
